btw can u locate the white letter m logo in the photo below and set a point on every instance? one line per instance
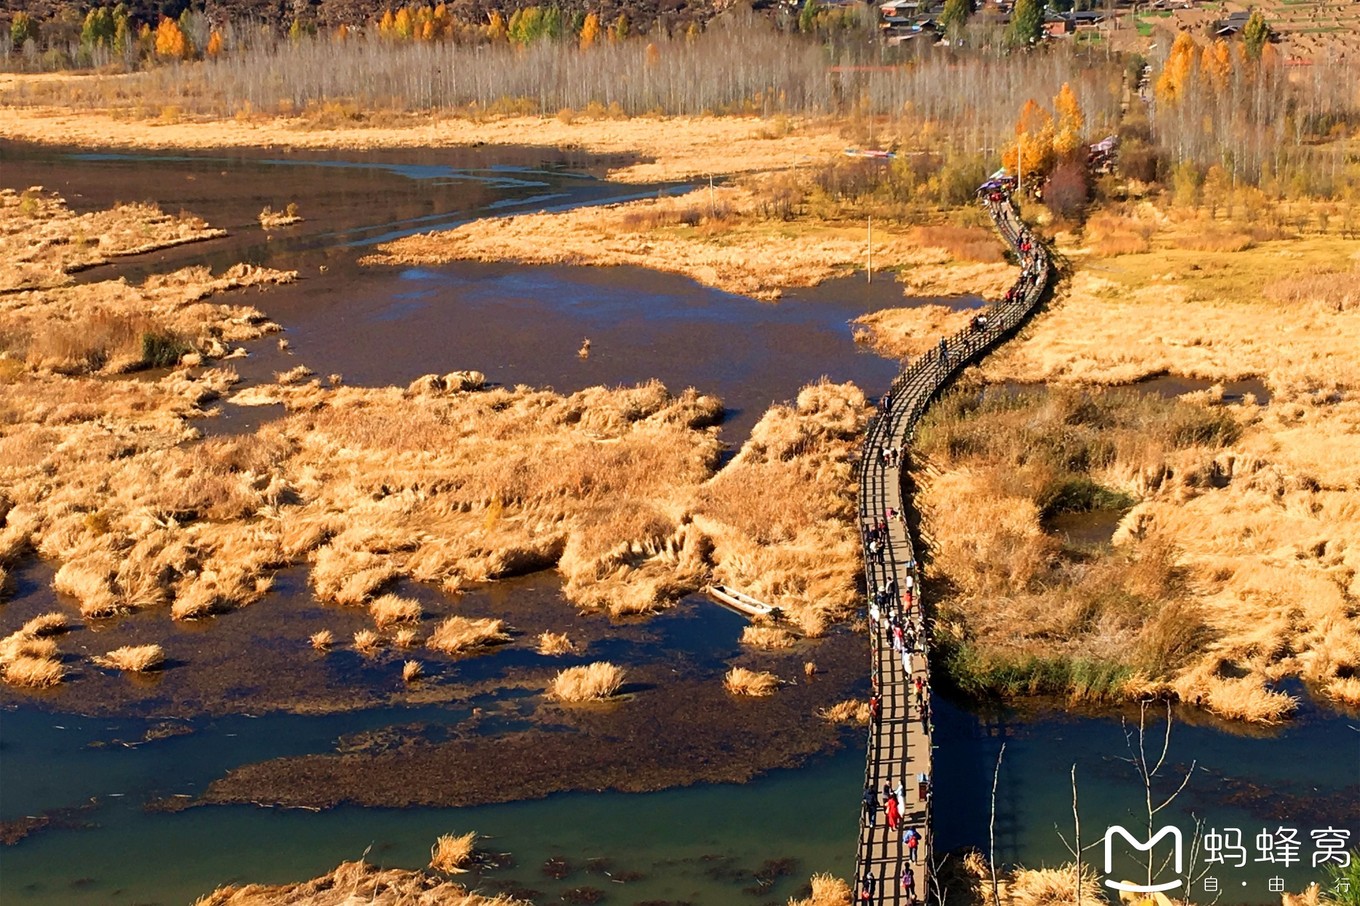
(1173, 832)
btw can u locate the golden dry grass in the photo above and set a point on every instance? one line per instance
(767, 638)
(827, 890)
(1050, 886)
(740, 681)
(590, 682)
(451, 852)
(322, 640)
(739, 251)
(42, 241)
(1261, 530)
(354, 882)
(33, 672)
(367, 642)
(459, 635)
(133, 658)
(111, 326)
(271, 219)
(412, 671)
(664, 148)
(54, 623)
(851, 711)
(405, 638)
(555, 643)
(389, 610)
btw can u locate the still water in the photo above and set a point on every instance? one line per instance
(711, 843)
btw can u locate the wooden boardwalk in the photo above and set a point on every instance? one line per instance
(899, 750)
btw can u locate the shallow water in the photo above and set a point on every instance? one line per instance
(701, 844)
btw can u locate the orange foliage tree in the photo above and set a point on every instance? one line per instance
(1174, 80)
(590, 31)
(170, 41)
(1031, 154)
(1067, 138)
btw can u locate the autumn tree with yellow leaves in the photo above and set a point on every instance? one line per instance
(1031, 154)
(590, 31)
(170, 41)
(1068, 136)
(1174, 81)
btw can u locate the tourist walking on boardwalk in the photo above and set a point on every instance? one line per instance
(894, 816)
(944, 353)
(920, 693)
(901, 794)
(870, 805)
(866, 887)
(909, 885)
(912, 838)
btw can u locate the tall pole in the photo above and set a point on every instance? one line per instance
(1020, 165)
(870, 272)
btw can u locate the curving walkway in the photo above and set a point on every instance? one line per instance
(899, 750)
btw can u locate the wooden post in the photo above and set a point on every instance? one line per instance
(870, 271)
(712, 205)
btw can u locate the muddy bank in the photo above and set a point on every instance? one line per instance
(666, 732)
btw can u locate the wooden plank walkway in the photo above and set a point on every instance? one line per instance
(899, 748)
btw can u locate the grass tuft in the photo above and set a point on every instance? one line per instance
(555, 643)
(767, 638)
(457, 635)
(451, 853)
(34, 672)
(740, 681)
(591, 682)
(323, 640)
(388, 610)
(412, 671)
(367, 642)
(133, 658)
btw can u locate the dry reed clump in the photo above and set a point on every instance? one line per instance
(459, 635)
(54, 623)
(450, 852)
(322, 640)
(33, 672)
(367, 642)
(353, 882)
(590, 682)
(851, 711)
(552, 644)
(827, 890)
(1216, 239)
(767, 638)
(295, 375)
(133, 658)
(740, 681)
(388, 610)
(271, 219)
(1051, 886)
(412, 671)
(404, 638)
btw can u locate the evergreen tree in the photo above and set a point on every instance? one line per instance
(1027, 23)
(1255, 34)
(955, 17)
(807, 19)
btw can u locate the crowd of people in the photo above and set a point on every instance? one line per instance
(896, 617)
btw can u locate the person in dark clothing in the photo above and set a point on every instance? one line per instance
(870, 805)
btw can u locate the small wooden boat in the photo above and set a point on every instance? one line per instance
(742, 603)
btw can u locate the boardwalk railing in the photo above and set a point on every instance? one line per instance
(899, 749)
